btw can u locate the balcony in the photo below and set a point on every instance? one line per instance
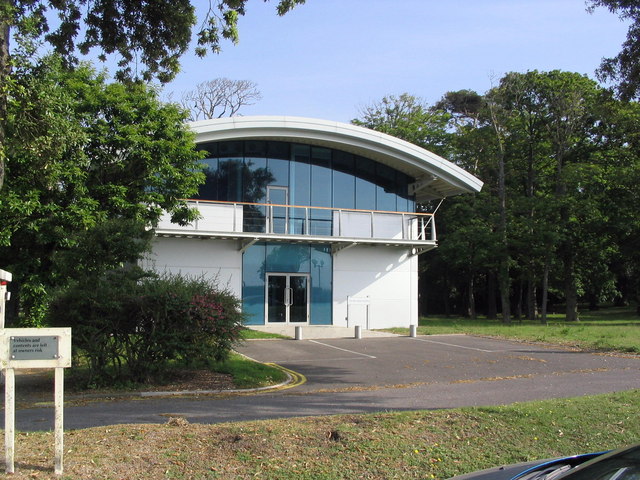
(339, 226)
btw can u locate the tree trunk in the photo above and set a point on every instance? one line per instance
(492, 308)
(447, 305)
(503, 275)
(570, 289)
(545, 290)
(532, 304)
(518, 312)
(471, 299)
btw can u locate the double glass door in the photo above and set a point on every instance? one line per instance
(287, 298)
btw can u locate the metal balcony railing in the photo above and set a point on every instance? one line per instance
(275, 219)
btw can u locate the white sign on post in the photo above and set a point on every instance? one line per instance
(34, 348)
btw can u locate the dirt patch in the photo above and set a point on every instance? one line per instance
(35, 387)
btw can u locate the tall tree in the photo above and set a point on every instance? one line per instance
(91, 166)
(220, 97)
(566, 163)
(152, 33)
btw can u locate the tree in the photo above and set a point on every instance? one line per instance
(91, 167)
(220, 97)
(624, 68)
(153, 33)
(567, 163)
(409, 118)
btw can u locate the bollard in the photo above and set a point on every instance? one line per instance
(298, 332)
(358, 332)
(413, 331)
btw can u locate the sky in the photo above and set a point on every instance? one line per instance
(329, 59)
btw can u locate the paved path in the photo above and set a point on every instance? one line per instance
(399, 373)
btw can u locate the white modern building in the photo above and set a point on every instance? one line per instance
(311, 222)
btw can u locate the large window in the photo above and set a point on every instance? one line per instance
(240, 171)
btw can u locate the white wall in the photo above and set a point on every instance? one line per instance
(387, 276)
(215, 259)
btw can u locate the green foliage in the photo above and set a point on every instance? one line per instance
(90, 167)
(130, 324)
(408, 118)
(554, 221)
(148, 38)
(624, 68)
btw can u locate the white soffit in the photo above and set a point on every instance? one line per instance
(435, 176)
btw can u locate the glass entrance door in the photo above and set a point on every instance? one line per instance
(287, 298)
(278, 216)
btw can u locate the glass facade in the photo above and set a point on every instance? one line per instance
(264, 260)
(241, 171)
(286, 282)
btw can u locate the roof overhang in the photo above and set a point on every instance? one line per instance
(435, 176)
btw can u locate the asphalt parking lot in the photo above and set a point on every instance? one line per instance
(345, 363)
(345, 375)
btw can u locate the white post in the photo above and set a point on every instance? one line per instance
(358, 332)
(298, 332)
(5, 277)
(433, 228)
(59, 419)
(9, 418)
(413, 331)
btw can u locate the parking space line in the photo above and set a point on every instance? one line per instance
(315, 360)
(343, 349)
(458, 346)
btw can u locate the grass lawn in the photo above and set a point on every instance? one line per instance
(249, 374)
(249, 334)
(423, 444)
(612, 329)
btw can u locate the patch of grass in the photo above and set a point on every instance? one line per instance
(611, 329)
(420, 445)
(249, 374)
(249, 334)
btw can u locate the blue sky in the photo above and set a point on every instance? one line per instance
(329, 58)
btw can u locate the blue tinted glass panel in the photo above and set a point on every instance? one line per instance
(300, 182)
(210, 147)
(291, 258)
(230, 179)
(253, 270)
(279, 150)
(230, 149)
(254, 218)
(386, 189)
(365, 184)
(316, 176)
(277, 214)
(300, 189)
(321, 285)
(279, 169)
(402, 192)
(344, 184)
(320, 221)
(255, 178)
(255, 148)
(209, 189)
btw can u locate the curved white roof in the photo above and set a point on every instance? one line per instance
(435, 176)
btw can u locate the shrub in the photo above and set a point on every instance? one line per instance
(130, 324)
